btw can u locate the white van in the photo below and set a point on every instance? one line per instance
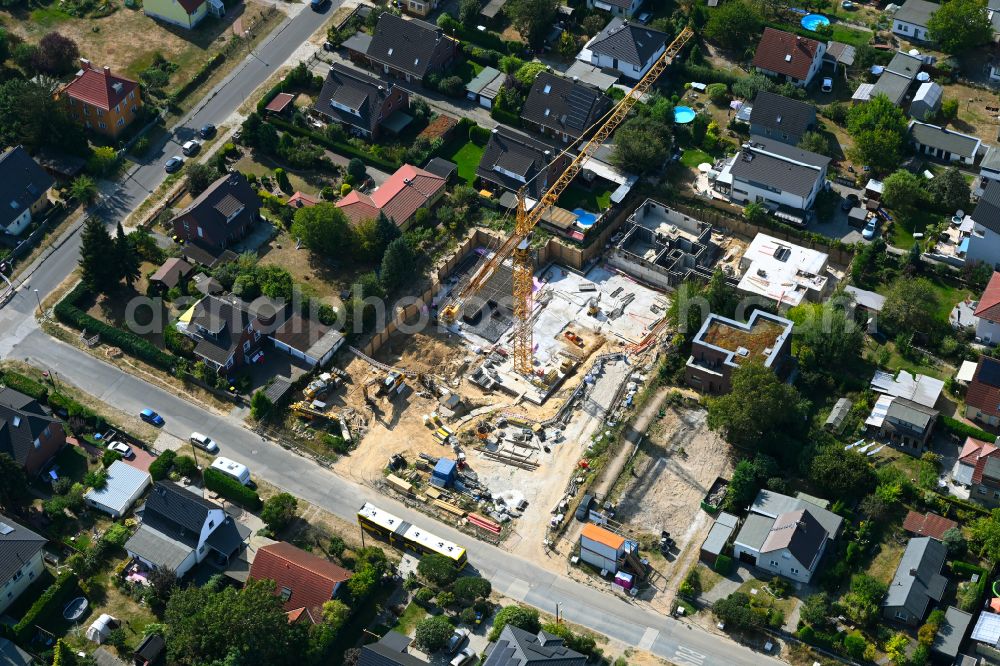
(238, 471)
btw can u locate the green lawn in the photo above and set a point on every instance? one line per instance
(692, 157)
(576, 196)
(467, 70)
(905, 225)
(407, 622)
(848, 35)
(467, 157)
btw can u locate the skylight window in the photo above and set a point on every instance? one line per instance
(390, 50)
(548, 89)
(788, 57)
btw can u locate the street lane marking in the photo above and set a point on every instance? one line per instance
(688, 657)
(518, 589)
(648, 637)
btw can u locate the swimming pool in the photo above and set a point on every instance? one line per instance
(813, 21)
(584, 218)
(683, 115)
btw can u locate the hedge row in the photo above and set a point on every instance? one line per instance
(965, 430)
(705, 74)
(52, 600)
(342, 148)
(25, 385)
(966, 570)
(199, 77)
(68, 313)
(505, 117)
(159, 468)
(964, 504)
(231, 489)
(269, 96)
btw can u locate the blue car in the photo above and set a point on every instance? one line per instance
(149, 416)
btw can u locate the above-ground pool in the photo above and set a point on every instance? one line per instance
(813, 21)
(584, 218)
(683, 115)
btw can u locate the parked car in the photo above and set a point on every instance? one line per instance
(463, 657)
(174, 164)
(149, 416)
(204, 442)
(191, 147)
(827, 84)
(317, 5)
(207, 131)
(458, 638)
(122, 448)
(583, 511)
(644, 17)
(849, 202)
(329, 47)
(870, 229)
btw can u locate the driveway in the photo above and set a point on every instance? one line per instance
(141, 460)
(838, 227)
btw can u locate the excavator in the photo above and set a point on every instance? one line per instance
(518, 244)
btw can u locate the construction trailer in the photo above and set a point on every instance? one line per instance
(605, 550)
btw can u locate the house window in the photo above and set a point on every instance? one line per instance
(45, 433)
(286, 593)
(794, 570)
(982, 491)
(131, 95)
(900, 615)
(118, 108)
(100, 113)
(211, 524)
(256, 336)
(774, 564)
(996, 494)
(121, 121)
(102, 125)
(246, 346)
(133, 109)
(86, 110)
(201, 550)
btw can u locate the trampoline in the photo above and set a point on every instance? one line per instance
(813, 21)
(683, 115)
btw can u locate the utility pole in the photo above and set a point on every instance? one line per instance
(558, 619)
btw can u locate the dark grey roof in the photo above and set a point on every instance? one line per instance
(277, 389)
(389, 651)
(770, 503)
(176, 511)
(938, 137)
(441, 167)
(987, 212)
(800, 533)
(17, 546)
(516, 153)
(227, 537)
(226, 317)
(777, 165)
(151, 648)
(719, 535)
(22, 183)
(158, 548)
(905, 65)
(918, 577)
(407, 45)
(517, 647)
(564, 105)
(632, 43)
(913, 413)
(892, 85)
(216, 203)
(355, 90)
(22, 420)
(754, 531)
(951, 632)
(917, 12)
(782, 114)
(11, 655)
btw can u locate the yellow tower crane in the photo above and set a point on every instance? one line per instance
(518, 244)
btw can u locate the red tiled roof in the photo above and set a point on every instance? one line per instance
(984, 396)
(976, 452)
(311, 579)
(191, 6)
(280, 102)
(930, 524)
(989, 302)
(97, 87)
(785, 53)
(399, 197)
(301, 200)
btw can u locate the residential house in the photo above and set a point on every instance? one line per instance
(782, 272)
(390, 650)
(307, 339)
(986, 488)
(970, 467)
(928, 524)
(485, 86)
(12, 655)
(982, 398)
(562, 108)
(408, 190)
(894, 82)
(944, 144)
(419, 8)
(783, 178)
(867, 301)
(409, 49)
(183, 13)
(951, 632)
(781, 118)
(227, 330)
(910, 21)
(125, 484)
(28, 432)
(788, 58)
(517, 647)
(358, 101)
(24, 186)
(101, 101)
(987, 312)
(922, 389)
(903, 422)
(303, 581)
(984, 239)
(512, 160)
(917, 581)
(723, 344)
(20, 560)
(927, 101)
(180, 529)
(170, 274)
(221, 215)
(989, 169)
(624, 8)
(626, 47)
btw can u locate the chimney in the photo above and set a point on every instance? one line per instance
(107, 71)
(913, 572)
(84, 64)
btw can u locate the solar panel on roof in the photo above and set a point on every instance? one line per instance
(989, 372)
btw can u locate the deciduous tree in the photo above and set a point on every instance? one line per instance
(56, 54)
(878, 128)
(521, 617)
(903, 191)
(734, 25)
(840, 473)
(279, 510)
(960, 25)
(950, 190)
(911, 306)
(433, 633)
(641, 145)
(437, 570)
(324, 229)
(532, 18)
(198, 176)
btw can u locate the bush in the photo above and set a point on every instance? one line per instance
(110, 457)
(964, 429)
(186, 466)
(718, 93)
(433, 633)
(231, 489)
(966, 570)
(438, 570)
(25, 385)
(723, 564)
(472, 587)
(51, 601)
(116, 535)
(160, 468)
(479, 135)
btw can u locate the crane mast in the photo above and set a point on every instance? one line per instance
(518, 244)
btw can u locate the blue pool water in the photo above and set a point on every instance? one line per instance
(583, 218)
(683, 115)
(813, 21)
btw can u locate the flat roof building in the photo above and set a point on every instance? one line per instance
(783, 272)
(723, 344)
